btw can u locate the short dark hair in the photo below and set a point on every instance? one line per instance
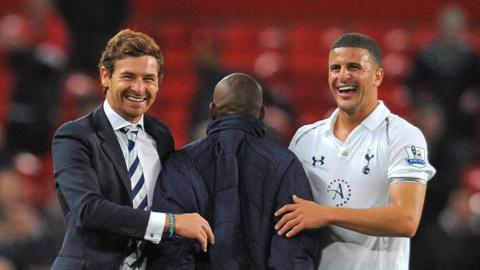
(242, 94)
(357, 40)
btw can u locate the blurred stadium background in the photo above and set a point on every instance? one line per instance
(48, 56)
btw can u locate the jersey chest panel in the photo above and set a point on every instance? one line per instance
(353, 174)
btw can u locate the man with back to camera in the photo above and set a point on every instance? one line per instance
(236, 179)
(106, 164)
(367, 167)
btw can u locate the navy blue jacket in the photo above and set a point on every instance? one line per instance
(236, 180)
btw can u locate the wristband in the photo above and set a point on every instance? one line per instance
(171, 229)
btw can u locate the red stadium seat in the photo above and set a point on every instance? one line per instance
(422, 35)
(272, 38)
(310, 64)
(5, 91)
(305, 38)
(172, 34)
(397, 40)
(396, 66)
(239, 37)
(178, 60)
(239, 61)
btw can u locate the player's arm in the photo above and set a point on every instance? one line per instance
(400, 218)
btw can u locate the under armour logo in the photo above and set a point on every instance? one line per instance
(321, 160)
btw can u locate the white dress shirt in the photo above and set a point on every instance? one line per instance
(150, 162)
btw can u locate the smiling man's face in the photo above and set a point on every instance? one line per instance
(353, 78)
(132, 87)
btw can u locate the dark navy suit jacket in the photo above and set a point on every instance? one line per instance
(236, 179)
(93, 189)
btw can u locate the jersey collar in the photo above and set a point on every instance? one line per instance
(372, 121)
(376, 117)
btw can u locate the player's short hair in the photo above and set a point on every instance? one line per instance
(130, 43)
(357, 40)
(244, 95)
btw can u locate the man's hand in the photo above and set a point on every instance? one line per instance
(194, 226)
(302, 214)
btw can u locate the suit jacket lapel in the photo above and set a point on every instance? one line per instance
(154, 131)
(110, 146)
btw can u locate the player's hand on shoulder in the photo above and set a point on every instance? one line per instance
(302, 214)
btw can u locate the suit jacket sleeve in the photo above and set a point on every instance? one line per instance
(300, 251)
(80, 190)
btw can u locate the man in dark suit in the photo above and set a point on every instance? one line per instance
(236, 179)
(105, 177)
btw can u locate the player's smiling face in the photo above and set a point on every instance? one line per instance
(132, 87)
(353, 78)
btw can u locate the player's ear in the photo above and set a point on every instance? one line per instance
(213, 111)
(105, 78)
(378, 77)
(263, 111)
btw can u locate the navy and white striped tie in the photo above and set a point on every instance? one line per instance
(139, 195)
(137, 180)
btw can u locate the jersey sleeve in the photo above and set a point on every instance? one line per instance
(408, 155)
(294, 141)
(298, 139)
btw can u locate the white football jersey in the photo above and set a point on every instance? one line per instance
(357, 173)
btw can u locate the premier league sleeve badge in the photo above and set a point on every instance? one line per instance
(416, 156)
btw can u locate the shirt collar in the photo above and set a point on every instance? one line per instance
(116, 121)
(373, 120)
